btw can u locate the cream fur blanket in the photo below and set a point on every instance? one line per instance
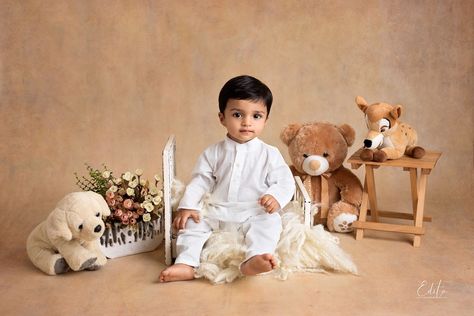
(300, 249)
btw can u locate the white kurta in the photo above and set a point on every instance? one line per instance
(236, 175)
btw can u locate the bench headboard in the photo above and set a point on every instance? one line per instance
(169, 174)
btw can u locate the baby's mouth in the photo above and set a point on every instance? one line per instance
(246, 131)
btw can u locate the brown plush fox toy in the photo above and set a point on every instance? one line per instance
(387, 137)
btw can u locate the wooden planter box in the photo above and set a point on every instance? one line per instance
(118, 241)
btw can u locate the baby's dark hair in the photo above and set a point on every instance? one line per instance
(245, 88)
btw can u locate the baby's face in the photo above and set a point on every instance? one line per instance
(244, 119)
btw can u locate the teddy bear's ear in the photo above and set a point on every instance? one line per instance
(289, 133)
(104, 208)
(361, 103)
(348, 133)
(57, 226)
(396, 112)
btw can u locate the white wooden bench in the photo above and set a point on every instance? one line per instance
(169, 174)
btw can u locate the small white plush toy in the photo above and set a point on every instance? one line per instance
(68, 238)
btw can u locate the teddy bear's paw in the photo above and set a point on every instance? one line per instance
(367, 155)
(343, 223)
(380, 156)
(61, 266)
(88, 264)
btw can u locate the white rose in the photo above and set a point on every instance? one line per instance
(118, 181)
(157, 177)
(146, 217)
(106, 174)
(127, 176)
(142, 182)
(156, 200)
(148, 206)
(133, 184)
(130, 191)
(139, 172)
(113, 189)
(148, 198)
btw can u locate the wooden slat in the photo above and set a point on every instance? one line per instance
(389, 227)
(169, 173)
(427, 162)
(399, 215)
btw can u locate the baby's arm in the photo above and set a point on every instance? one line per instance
(280, 180)
(269, 203)
(181, 218)
(202, 182)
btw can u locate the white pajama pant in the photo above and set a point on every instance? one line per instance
(261, 231)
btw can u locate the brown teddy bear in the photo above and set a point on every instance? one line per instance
(318, 150)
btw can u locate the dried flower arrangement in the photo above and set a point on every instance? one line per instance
(131, 198)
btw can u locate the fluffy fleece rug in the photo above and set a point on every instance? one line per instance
(301, 249)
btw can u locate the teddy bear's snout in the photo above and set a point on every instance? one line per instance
(315, 165)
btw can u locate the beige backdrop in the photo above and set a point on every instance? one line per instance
(109, 81)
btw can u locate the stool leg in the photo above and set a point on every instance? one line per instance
(371, 191)
(420, 205)
(363, 210)
(414, 190)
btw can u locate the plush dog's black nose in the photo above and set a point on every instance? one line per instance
(367, 143)
(98, 228)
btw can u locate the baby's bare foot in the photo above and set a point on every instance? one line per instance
(177, 272)
(258, 264)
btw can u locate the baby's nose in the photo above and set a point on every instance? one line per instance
(246, 122)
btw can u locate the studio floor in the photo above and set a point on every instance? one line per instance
(395, 279)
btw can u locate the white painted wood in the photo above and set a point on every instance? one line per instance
(169, 173)
(302, 196)
(125, 241)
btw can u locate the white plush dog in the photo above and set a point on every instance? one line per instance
(67, 239)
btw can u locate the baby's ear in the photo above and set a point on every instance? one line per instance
(348, 133)
(57, 226)
(289, 133)
(361, 103)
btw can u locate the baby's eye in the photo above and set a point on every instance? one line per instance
(97, 214)
(237, 115)
(257, 116)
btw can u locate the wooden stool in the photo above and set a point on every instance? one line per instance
(418, 191)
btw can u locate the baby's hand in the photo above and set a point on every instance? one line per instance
(269, 203)
(182, 216)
